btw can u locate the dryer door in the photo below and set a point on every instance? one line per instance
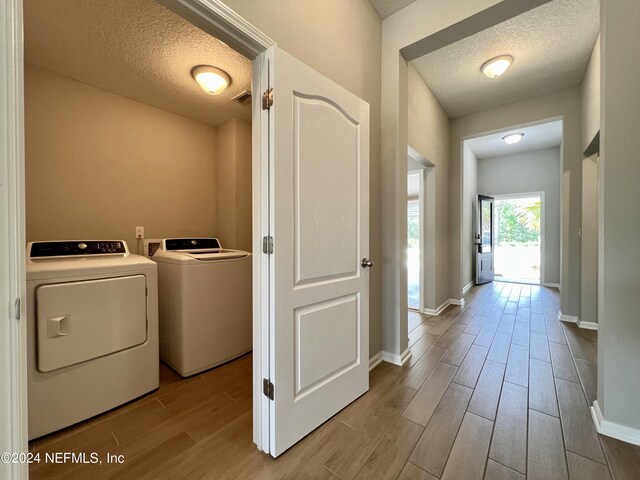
(79, 321)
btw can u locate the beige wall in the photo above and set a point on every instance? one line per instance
(564, 103)
(340, 39)
(98, 165)
(589, 238)
(590, 127)
(470, 198)
(619, 224)
(428, 134)
(233, 184)
(591, 97)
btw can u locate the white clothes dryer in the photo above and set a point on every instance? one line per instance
(92, 335)
(205, 303)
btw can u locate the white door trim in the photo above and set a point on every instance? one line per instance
(13, 359)
(217, 19)
(509, 196)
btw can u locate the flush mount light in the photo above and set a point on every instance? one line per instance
(211, 79)
(496, 66)
(512, 138)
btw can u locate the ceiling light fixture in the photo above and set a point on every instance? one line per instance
(211, 79)
(496, 66)
(512, 138)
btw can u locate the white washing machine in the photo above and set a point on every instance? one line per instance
(92, 333)
(205, 302)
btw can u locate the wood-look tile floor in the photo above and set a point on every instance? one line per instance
(497, 389)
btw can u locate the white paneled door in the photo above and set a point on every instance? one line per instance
(319, 327)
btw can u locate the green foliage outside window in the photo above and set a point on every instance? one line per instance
(517, 223)
(413, 231)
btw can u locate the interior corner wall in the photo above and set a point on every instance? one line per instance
(565, 104)
(233, 184)
(534, 171)
(589, 250)
(619, 221)
(98, 165)
(470, 196)
(590, 90)
(341, 40)
(428, 133)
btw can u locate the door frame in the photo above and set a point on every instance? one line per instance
(509, 196)
(422, 241)
(427, 229)
(213, 17)
(13, 351)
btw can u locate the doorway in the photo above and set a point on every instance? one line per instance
(414, 227)
(325, 107)
(518, 226)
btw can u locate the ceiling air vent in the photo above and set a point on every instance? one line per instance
(243, 97)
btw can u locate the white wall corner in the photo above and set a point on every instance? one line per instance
(588, 325)
(467, 287)
(375, 360)
(437, 311)
(568, 318)
(397, 359)
(612, 429)
(457, 301)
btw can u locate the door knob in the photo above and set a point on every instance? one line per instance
(366, 263)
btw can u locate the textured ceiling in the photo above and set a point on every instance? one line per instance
(136, 49)
(389, 7)
(545, 135)
(551, 45)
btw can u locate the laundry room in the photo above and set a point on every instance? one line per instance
(138, 144)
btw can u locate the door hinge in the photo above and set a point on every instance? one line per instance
(267, 245)
(18, 307)
(267, 99)
(267, 388)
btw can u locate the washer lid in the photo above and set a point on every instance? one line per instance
(195, 251)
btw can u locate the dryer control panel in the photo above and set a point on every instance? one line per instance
(69, 248)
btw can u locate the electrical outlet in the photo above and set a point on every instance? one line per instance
(139, 232)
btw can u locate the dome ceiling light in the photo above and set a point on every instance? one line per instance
(496, 66)
(512, 138)
(211, 79)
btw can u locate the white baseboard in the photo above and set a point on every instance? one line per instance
(568, 318)
(440, 309)
(551, 285)
(375, 360)
(397, 359)
(612, 429)
(437, 311)
(588, 325)
(467, 287)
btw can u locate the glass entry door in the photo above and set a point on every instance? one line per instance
(484, 240)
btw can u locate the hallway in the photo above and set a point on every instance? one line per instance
(491, 391)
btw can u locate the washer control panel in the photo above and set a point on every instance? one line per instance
(69, 248)
(192, 244)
